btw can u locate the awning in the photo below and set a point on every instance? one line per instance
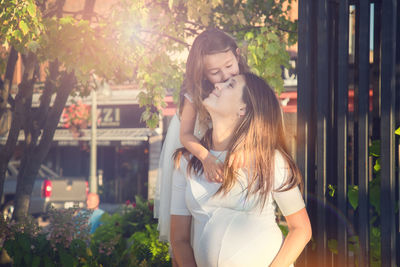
(111, 134)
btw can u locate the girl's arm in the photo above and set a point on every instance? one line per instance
(212, 168)
(180, 240)
(299, 234)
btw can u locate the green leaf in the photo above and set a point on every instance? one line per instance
(331, 190)
(375, 148)
(36, 261)
(24, 27)
(31, 9)
(353, 196)
(28, 258)
(260, 52)
(333, 246)
(375, 195)
(377, 166)
(17, 34)
(284, 229)
(24, 242)
(65, 258)
(33, 46)
(249, 36)
(48, 262)
(66, 20)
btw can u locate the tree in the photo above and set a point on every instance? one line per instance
(136, 41)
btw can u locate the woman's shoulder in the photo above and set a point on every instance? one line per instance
(281, 169)
(280, 160)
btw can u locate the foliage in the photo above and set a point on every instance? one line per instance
(75, 117)
(128, 237)
(64, 243)
(147, 250)
(374, 201)
(266, 56)
(107, 242)
(284, 229)
(20, 24)
(132, 233)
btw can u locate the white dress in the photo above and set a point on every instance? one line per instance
(162, 197)
(230, 231)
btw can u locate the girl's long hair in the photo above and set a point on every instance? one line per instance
(209, 42)
(259, 134)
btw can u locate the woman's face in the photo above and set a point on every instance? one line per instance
(221, 66)
(226, 98)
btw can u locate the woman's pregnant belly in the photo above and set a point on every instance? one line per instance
(234, 238)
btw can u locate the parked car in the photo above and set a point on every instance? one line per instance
(49, 190)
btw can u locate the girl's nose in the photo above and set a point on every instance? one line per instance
(225, 75)
(218, 86)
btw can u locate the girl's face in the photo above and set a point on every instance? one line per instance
(226, 98)
(221, 66)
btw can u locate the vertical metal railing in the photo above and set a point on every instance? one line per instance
(363, 14)
(388, 87)
(322, 117)
(323, 155)
(342, 105)
(305, 120)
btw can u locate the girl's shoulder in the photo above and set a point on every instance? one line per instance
(188, 97)
(185, 94)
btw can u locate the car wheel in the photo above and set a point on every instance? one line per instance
(8, 210)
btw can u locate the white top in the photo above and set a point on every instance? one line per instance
(231, 230)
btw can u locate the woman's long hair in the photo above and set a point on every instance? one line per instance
(209, 42)
(259, 134)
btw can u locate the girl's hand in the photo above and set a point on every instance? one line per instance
(237, 160)
(213, 168)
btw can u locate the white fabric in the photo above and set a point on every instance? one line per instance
(230, 230)
(162, 196)
(188, 97)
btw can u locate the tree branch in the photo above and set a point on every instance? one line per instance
(68, 81)
(5, 86)
(167, 36)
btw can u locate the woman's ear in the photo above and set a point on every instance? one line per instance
(242, 110)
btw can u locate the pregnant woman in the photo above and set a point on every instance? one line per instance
(233, 223)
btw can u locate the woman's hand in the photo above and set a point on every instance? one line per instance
(213, 168)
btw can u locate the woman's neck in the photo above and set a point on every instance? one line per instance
(222, 132)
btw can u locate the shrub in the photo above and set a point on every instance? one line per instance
(63, 243)
(132, 231)
(128, 237)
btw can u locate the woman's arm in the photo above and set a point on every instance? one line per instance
(180, 240)
(299, 234)
(212, 169)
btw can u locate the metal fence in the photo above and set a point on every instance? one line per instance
(348, 111)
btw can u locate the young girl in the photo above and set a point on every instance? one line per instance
(214, 57)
